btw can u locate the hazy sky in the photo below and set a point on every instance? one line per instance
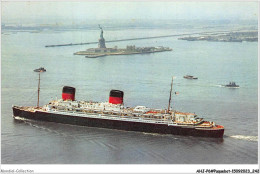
(26, 12)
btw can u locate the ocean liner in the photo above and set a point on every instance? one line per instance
(114, 115)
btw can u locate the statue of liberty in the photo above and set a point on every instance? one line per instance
(101, 34)
(101, 41)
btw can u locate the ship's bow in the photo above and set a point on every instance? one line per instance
(16, 111)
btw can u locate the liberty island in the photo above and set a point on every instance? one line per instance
(102, 50)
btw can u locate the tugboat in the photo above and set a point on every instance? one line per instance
(114, 115)
(232, 85)
(190, 77)
(41, 69)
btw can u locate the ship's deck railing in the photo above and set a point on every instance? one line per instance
(112, 117)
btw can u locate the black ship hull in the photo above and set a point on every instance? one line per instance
(230, 86)
(118, 124)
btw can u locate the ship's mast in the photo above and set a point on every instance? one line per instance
(38, 91)
(170, 98)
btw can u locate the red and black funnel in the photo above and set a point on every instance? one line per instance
(68, 93)
(116, 97)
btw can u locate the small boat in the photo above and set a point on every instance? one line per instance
(41, 69)
(190, 77)
(231, 85)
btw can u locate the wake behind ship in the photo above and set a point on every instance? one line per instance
(114, 115)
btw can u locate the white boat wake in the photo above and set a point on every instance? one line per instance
(21, 118)
(243, 137)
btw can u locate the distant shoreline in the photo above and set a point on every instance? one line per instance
(238, 36)
(153, 37)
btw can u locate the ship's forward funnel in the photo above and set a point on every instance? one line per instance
(68, 93)
(116, 97)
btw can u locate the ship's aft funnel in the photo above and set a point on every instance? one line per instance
(68, 93)
(116, 97)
